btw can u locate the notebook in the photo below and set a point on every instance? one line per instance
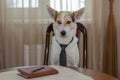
(37, 71)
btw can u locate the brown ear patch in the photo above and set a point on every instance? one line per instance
(64, 19)
(64, 16)
(56, 15)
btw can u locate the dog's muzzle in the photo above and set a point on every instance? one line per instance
(63, 33)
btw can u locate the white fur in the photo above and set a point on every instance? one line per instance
(72, 51)
(69, 34)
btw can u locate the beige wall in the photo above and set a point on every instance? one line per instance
(117, 16)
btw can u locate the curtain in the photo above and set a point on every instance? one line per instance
(103, 45)
(110, 64)
(22, 32)
(117, 19)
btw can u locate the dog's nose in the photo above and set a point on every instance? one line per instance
(63, 33)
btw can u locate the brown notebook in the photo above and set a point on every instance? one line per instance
(32, 72)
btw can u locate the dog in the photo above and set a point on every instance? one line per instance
(64, 48)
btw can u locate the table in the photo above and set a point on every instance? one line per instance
(94, 74)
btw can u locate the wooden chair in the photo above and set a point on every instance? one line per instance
(80, 29)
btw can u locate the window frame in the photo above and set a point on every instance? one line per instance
(21, 4)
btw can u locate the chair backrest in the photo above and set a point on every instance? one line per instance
(80, 29)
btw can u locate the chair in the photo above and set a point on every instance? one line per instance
(80, 29)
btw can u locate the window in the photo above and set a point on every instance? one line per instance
(73, 5)
(23, 3)
(69, 5)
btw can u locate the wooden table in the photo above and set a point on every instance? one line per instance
(94, 74)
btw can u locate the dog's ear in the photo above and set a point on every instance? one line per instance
(77, 14)
(52, 12)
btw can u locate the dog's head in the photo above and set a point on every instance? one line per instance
(64, 22)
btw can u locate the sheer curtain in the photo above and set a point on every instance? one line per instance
(23, 24)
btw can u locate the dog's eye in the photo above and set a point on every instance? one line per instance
(68, 22)
(59, 22)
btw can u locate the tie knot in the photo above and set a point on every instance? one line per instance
(63, 46)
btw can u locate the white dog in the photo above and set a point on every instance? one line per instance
(64, 49)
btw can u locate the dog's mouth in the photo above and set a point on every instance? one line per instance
(63, 36)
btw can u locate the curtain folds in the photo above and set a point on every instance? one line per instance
(110, 55)
(22, 32)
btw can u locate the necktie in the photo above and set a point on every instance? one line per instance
(63, 58)
(63, 55)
